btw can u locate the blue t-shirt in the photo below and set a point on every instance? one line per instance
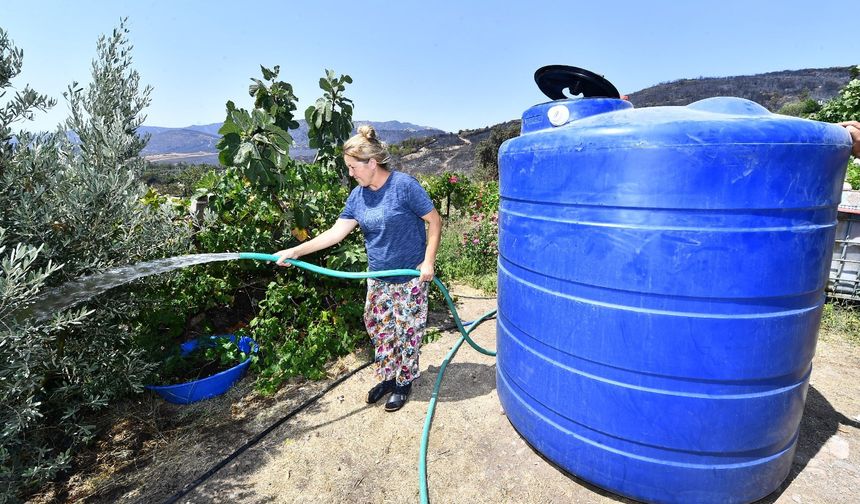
(390, 219)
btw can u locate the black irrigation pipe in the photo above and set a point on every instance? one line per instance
(256, 439)
(473, 297)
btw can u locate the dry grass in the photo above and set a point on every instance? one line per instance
(841, 320)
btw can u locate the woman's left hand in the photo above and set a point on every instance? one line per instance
(853, 128)
(427, 270)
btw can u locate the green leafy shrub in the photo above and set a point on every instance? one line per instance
(266, 201)
(330, 123)
(448, 189)
(800, 108)
(303, 322)
(469, 247)
(165, 305)
(845, 107)
(480, 241)
(304, 319)
(469, 251)
(179, 179)
(78, 204)
(29, 391)
(852, 176)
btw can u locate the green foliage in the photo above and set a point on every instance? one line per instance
(211, 355)
(179, 179)
(800, 108)
(469, 251)
(845, 107)
(166, 304)
(76, 204)
(24, 103)
(303, 322)
(485, 198)
(852, 176)
(843, 319)
(82, 199)
(257, 143)
(487, 152)
(431, 335)
(33, 408)
(410, 145)
(241, 217)
(449, 189)
(107, 114)
(330, 123)
(469, 246)
(257, 208)
(256, 146)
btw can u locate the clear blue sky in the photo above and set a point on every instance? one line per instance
(447, 64)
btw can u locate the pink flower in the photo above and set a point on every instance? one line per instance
(476, 241)
(453, 179)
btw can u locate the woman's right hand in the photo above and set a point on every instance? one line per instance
(285, 254)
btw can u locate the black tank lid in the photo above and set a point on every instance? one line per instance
(554, 79)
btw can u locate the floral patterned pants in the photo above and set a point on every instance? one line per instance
(395, 315)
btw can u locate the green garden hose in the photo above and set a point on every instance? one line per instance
(431, 407)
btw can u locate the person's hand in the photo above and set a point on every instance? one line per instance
(427, 270)
(283, 255)
(853, 128)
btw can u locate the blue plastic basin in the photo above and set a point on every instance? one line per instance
(204, 388)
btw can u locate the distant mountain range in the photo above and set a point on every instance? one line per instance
(454, 152)
(196, 144)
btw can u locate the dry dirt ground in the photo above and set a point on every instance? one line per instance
(340, 449)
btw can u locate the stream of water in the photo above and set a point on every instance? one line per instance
(81, 289)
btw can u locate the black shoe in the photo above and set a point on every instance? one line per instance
(398, 397)
(379, 390)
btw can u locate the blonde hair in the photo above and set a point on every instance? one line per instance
(366, 146)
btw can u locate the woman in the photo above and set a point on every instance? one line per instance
(391, 208)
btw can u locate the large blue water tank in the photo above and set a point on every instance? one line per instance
(661, 279)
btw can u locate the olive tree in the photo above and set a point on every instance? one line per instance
(71, 206)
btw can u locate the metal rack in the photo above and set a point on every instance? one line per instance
(844, 281)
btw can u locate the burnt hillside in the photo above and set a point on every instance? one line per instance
(456, 153)
(449, 152)
(771, 90)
